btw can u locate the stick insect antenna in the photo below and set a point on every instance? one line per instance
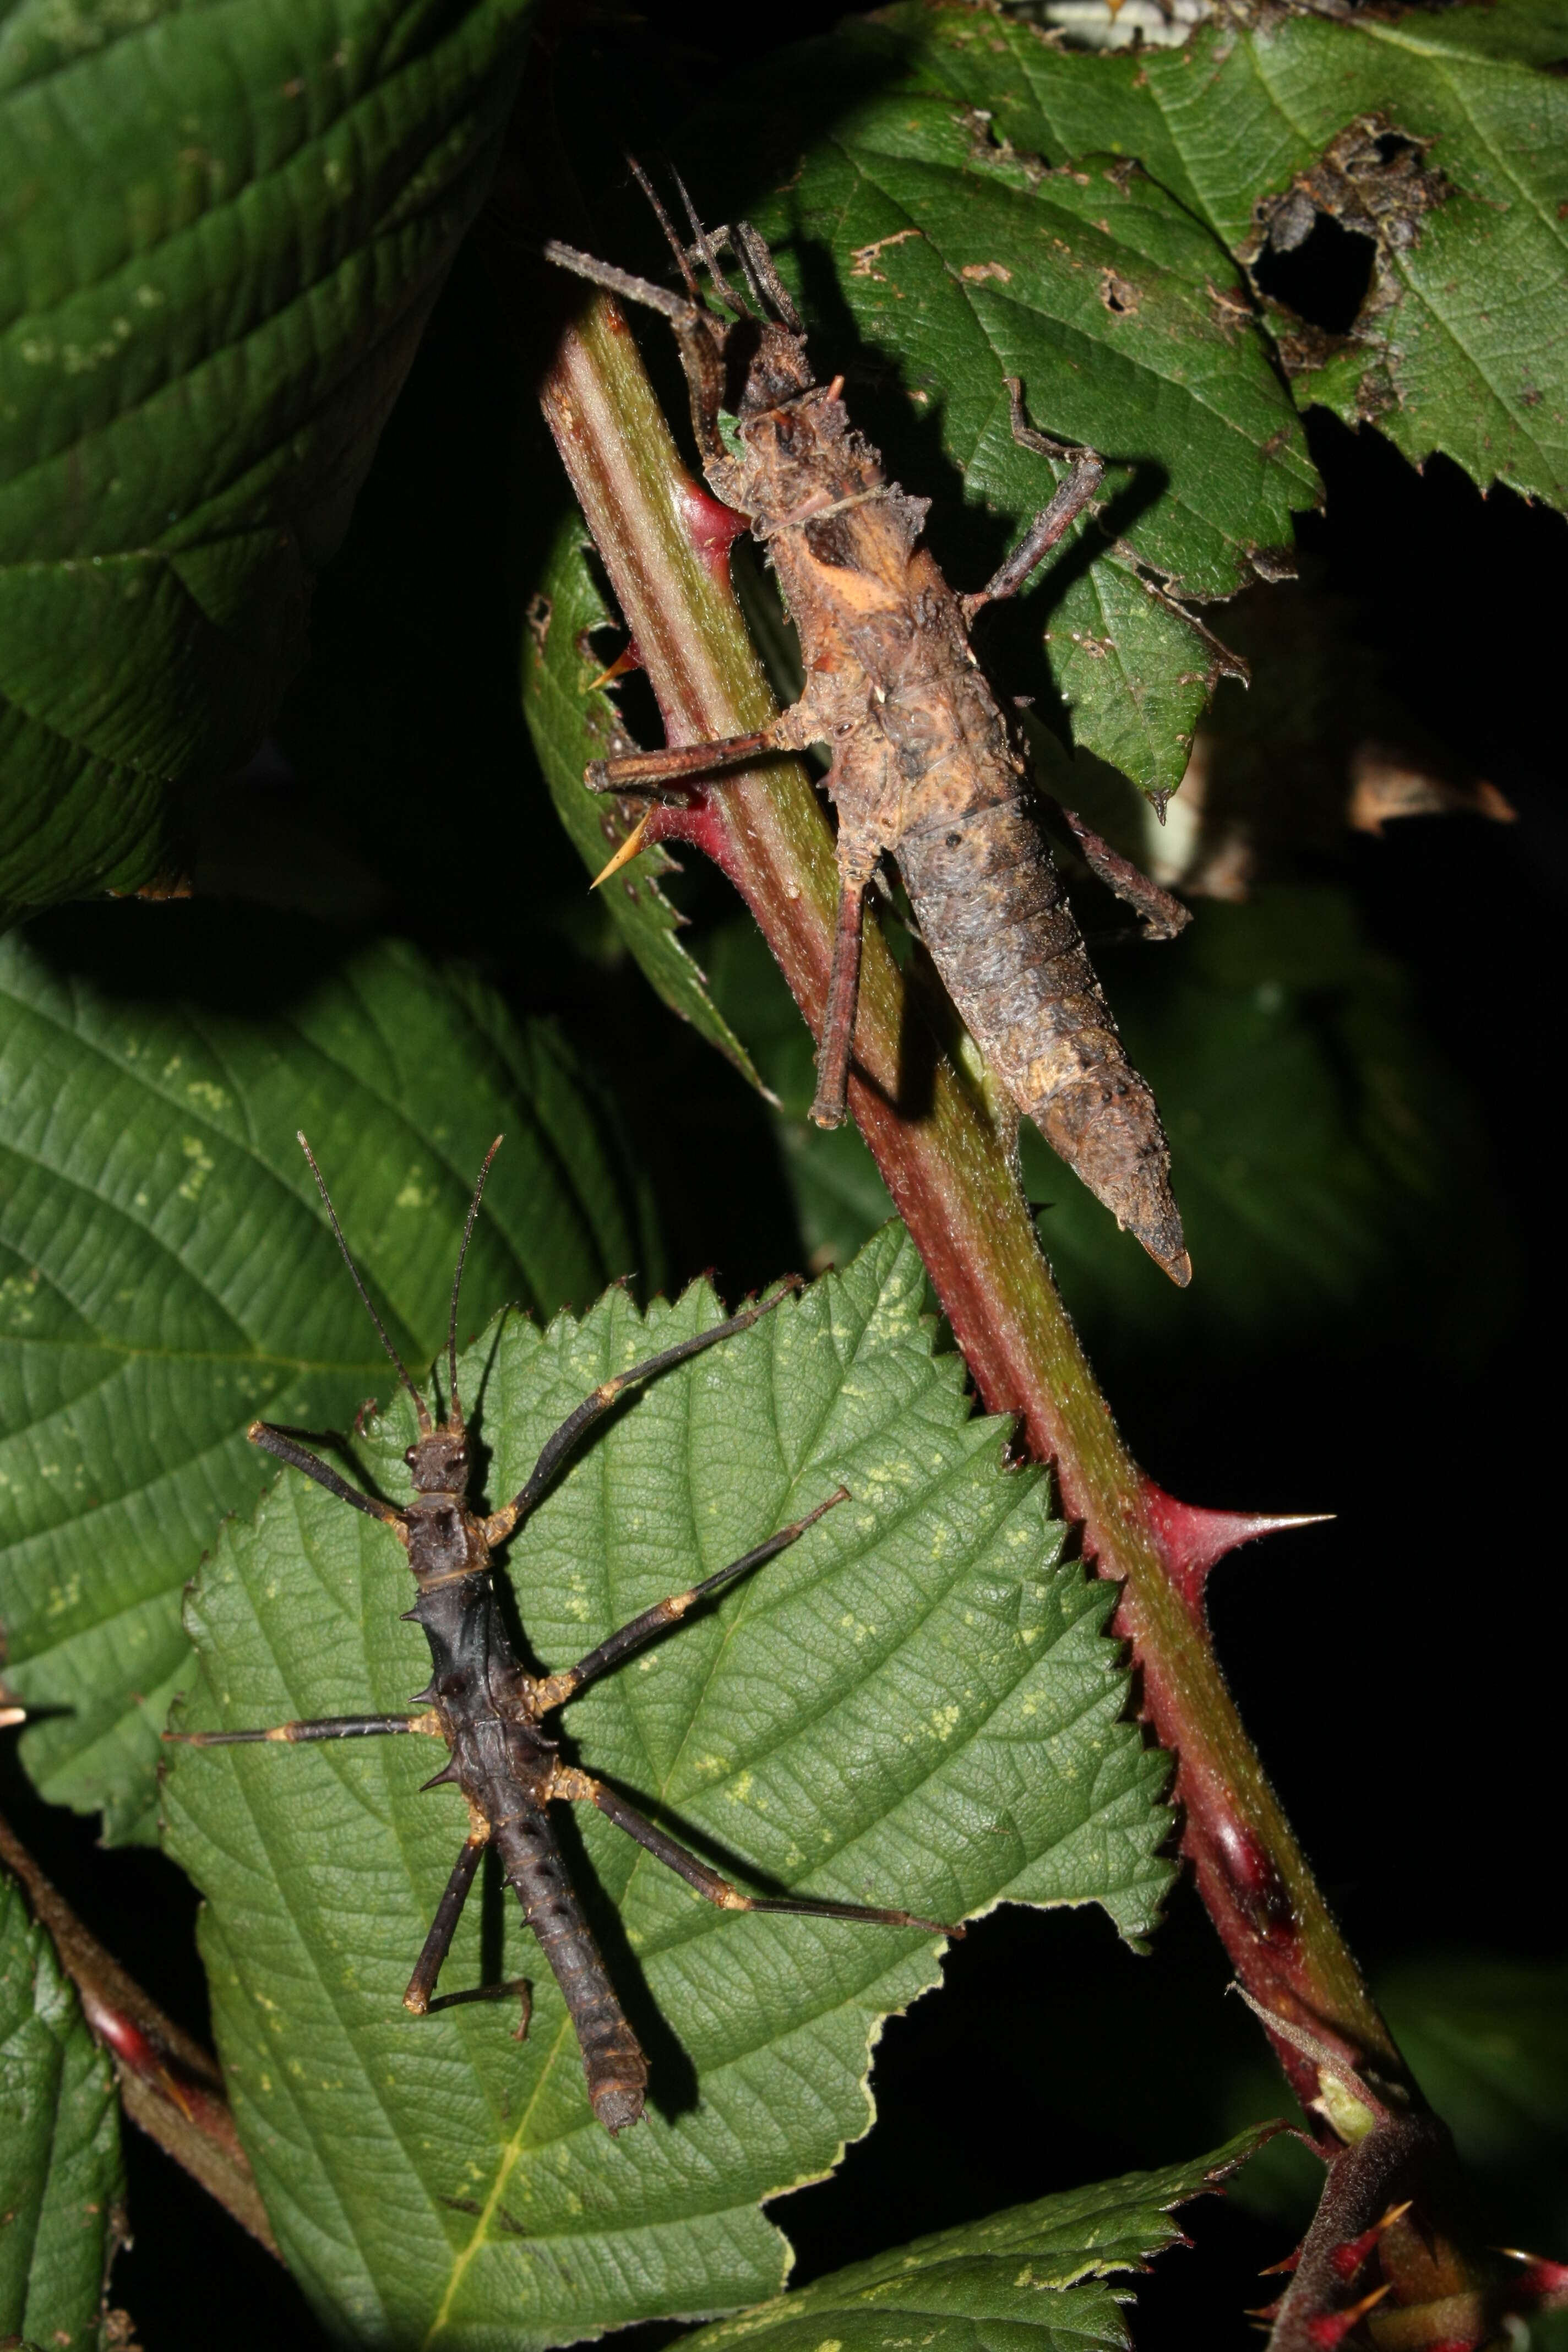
(758, 264)
(457, 1278)
(333, 1214)
(672, 234)
(704, 244)
(675, 306)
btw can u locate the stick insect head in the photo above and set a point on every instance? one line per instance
(765, 349)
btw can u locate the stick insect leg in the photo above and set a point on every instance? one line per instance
(677, 764)
(1053, 521)
(1160, 916)
(439, 1942)
(555, 1449)
(556, 1689)
(698, 334)
(581, 1788)
(857, 864)
(284, 1446)
(325, 1727)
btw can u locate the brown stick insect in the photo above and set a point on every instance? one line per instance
(490, 1713)
(924, 763)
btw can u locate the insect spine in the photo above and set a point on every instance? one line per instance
(924, 763)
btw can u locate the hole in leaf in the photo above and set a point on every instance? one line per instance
(1323, 277)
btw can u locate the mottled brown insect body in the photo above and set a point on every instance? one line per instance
(925, 764)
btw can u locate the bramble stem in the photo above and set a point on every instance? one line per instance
(168, 2084)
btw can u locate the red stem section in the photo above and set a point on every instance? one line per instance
(168, 2084)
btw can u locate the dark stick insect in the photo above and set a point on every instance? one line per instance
(925, 765)
(489, 1712)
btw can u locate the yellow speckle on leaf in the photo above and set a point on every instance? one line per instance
(201, 1167)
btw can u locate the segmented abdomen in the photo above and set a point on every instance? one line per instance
(991, 907)
(612, 2057)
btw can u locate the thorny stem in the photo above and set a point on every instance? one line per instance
(168, 2084)
(949, 1166)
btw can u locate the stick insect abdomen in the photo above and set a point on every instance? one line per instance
(612, 2061)
(504, 1765)
(990, 906)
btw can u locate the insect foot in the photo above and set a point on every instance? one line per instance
(927, 766)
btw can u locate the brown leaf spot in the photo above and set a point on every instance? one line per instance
(864, 257)
(976, 272)
(1119, 294)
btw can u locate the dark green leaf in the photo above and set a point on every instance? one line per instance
(1031, 2277)
(166, 1272)
(1461, 345)
(916, 1704)
(1488, 2041)
(570, 727)
(224, 233)
(60, 2144)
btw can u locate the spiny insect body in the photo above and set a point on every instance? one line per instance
(490, 1713)
(924, 763)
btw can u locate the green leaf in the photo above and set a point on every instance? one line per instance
(915, 1704)
(1461, 346)
(1030, 2276)
(166, 1272)
(60, 2144)
(959, 261)
(570, 727)
(225, 231)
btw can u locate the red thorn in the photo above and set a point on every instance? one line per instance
(712, 527)
(628, 658)
(1286, 2263)
(1328, 2328)
(1190, 1538)
(1345, 2259)
(127, 2041)
(1540, 2275)
(696, 823)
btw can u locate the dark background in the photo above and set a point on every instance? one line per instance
(1396, 1668)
